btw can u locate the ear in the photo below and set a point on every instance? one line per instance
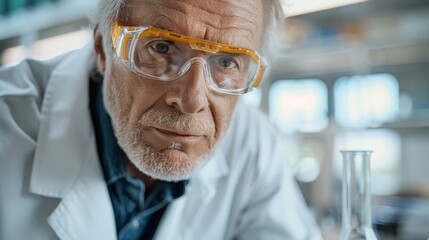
(99, 51)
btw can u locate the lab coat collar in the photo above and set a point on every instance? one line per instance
(183, 216)
(216, 167)
(85, 212)
(65, 126)
(66, 163)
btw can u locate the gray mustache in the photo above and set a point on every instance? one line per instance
(178, 121)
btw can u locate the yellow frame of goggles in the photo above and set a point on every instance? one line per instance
(195, 43)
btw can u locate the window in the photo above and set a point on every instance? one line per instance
(366, 101)
(46, 48)
(299, 105)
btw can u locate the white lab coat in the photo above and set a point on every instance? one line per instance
(52, 186)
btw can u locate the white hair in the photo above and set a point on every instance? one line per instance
(104, 15)
(272, 42)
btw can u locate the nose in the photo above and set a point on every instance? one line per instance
(189, 93)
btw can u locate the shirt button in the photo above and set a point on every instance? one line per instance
(135, 224)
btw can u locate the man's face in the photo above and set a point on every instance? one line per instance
(169, 129)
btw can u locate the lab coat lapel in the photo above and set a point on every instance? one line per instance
(65, 126)
(66, 163)
(183, 217)
(85, 212)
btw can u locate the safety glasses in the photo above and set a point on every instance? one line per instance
(166, 56)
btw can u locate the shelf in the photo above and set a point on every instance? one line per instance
(25, 22)
(407, 124)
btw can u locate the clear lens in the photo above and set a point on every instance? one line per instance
(158, 57)
(232, 71)
(163, 59)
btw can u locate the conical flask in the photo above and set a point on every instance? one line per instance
(356, 196)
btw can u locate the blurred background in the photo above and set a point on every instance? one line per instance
(356, 76)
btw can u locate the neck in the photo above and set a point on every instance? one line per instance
(135, 172)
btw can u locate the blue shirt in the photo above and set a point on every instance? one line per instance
(136, 216)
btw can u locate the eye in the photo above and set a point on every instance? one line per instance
(227, 62)
(161, 47)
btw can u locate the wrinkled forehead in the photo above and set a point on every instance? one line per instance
(232, 22)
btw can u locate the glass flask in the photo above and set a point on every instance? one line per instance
(356, 196)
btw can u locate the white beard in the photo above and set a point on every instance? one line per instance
(156, 164)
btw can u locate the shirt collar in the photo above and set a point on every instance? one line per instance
(109, 151)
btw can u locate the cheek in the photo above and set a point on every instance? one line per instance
(222, 110)
(118, 87)
(135, 95)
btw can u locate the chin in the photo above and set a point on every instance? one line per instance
(169, 164)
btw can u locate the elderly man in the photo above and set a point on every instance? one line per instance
(144, 136)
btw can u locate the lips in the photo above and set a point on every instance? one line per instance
(177, 136)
